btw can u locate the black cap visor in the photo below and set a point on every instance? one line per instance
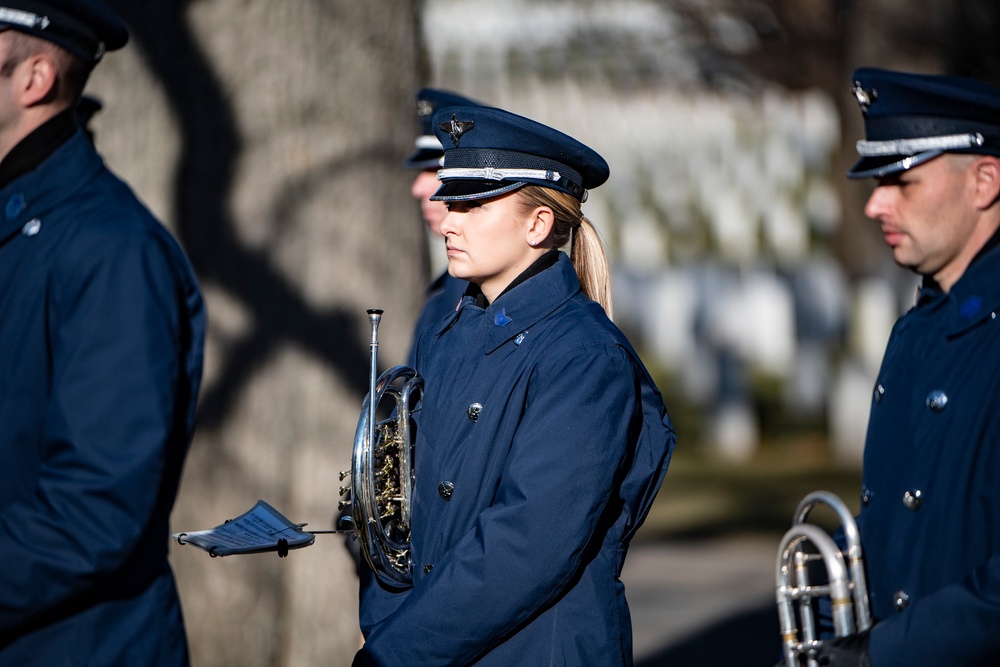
(471, 189)
(884, 165)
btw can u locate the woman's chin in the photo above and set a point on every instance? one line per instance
(456, 270)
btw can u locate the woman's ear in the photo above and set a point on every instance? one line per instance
(539, 225)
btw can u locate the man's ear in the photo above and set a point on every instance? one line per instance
(540, 225)
(987, 173)
(37, 82)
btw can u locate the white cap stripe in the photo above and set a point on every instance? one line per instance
(491, 174)
(27, 19)
(919, 145)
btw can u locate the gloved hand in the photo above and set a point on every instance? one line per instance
(361, 659)
(849, 651)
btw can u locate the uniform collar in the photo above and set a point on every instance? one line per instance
(38, 145)
(523, 304)
(992, 243)
(536, 267)
(976, 295)
(56, 177)
(545, 261)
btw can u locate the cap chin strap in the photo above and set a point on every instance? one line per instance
(918, 145)
(491, 174)
(23, 18)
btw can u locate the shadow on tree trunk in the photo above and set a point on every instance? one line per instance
(204, 224)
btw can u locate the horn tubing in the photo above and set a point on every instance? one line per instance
(846, 586)
(380, 500)
(838, 588)
(412, 388)
(854, 554)
(374, 317)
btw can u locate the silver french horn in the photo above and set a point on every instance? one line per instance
(381, 487)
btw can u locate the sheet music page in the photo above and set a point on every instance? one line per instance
(260, 529)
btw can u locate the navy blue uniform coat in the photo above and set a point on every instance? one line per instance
(520, 565)
(943, 550)
(101, 328)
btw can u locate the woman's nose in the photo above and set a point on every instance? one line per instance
(448, 225)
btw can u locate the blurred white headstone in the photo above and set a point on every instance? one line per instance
(850, 403)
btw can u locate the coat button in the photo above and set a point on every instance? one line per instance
(900, 600)
(428, 568)
(474, 411)
(866, 494)
(31, 227)
(445, 490)
(913, 499)
(879, 393)
(937, 400)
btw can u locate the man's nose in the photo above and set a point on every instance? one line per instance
(877, 201)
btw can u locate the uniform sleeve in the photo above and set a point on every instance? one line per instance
(114, 338)
(956, 625)
(561, 472)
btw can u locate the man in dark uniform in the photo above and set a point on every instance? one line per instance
(930, 513)
(444, 292)
(101, 332)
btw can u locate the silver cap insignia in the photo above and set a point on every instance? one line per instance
(865, 97)
(456, 128)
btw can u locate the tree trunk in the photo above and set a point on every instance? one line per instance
(268, 136)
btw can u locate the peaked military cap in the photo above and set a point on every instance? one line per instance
(428, 147)
(489, 152)
(86, 28)
(912, 118)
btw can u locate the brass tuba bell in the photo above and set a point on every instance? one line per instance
(382, 469)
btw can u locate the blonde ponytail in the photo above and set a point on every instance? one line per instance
(591, 264)
(586, 248)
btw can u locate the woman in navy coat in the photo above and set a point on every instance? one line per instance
(542, 440)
